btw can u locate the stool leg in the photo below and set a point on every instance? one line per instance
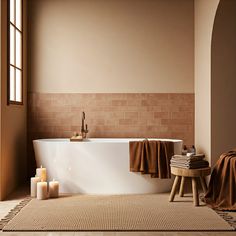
(181, 191)
(195, 191)
(204, 185)
(174, 188)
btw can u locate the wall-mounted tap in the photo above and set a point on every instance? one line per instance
(84, 130)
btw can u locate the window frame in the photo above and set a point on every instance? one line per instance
(9, 101)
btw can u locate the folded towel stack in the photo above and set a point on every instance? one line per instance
(189, 162)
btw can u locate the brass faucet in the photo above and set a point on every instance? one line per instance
(84, 131)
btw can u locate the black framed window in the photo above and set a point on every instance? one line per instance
(15, 52)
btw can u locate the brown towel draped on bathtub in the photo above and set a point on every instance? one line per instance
(221, 192)
(151, 157)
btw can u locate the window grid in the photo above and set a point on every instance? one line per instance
(18, 100)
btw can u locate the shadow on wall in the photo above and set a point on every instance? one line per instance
(223, 81)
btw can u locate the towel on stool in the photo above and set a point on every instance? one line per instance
(151, 157)
(189, 162)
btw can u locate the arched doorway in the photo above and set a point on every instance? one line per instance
(223, 80)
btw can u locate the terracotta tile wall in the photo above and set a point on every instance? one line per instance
(162, 115)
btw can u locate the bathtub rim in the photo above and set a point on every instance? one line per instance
(105, 140)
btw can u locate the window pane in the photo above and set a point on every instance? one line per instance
(18, 49)
(12, 45)
(18, 14)
(12, 83)
(18, 85)
(12, 11)
(15, 28)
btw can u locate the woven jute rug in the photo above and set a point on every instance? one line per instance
(110, 213)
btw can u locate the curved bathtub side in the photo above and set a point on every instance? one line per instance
(96, 168)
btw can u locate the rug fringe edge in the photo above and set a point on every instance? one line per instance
(227, 217)
(14, 211)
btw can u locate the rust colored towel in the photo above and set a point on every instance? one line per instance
(221, 193)
(151, 157)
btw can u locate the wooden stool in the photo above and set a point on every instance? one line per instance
(192, 173)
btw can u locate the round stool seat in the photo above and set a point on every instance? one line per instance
(201, 172)
(183, 173)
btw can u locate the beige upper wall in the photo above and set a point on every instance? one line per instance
(204, 19)
(111, 46)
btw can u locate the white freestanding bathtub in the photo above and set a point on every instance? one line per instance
(96, 166)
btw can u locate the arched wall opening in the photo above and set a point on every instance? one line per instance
(223, 80)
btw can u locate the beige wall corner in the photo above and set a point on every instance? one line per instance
(0, 101)
(223, 82)
(204, 19)
(13, 120)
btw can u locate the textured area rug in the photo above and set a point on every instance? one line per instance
(126, 213)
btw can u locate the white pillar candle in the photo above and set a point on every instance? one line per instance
(53, 188)
(33, 186)
(41, 172)
(42, 190)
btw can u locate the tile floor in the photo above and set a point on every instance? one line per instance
(17, 196)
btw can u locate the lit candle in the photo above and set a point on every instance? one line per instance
(42, 190)
(41, 173)
(53, 188)
(33, 186)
